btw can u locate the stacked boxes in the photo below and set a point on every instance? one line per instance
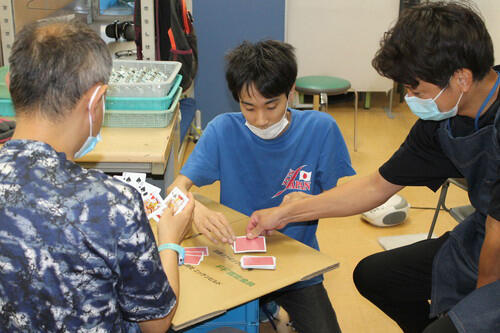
(6, 107)
(142, 93)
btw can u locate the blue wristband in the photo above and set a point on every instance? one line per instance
(177, 248)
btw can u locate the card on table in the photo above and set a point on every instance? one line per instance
(201, 249)
(242, 244)
(258, 262)
(191, 259)
(177, 200)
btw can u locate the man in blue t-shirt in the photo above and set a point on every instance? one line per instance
(264, 153)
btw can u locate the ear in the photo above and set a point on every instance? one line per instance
(464, 79)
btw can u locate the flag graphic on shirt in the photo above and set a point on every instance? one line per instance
(305, 176)
(292, 183)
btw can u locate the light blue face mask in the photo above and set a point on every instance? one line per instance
(427, 109)
(91, 141)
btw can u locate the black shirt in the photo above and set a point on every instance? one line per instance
(420, 161)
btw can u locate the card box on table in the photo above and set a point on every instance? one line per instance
(219, 284)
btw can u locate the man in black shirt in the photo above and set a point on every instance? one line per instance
(443, 54)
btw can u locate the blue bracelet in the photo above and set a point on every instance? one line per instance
(177, 248)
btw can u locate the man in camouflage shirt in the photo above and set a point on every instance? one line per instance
(76, 250)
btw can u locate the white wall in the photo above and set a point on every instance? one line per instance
(340, 38)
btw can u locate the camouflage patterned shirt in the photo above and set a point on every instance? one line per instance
(76, 250)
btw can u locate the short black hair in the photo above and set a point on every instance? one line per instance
(269, 65)
(53, 64)
(430, 42)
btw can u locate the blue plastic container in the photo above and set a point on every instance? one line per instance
(244, 317)
(144, 103)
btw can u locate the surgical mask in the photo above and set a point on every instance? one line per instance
(91, 141)
(427, 109)
(272, 131)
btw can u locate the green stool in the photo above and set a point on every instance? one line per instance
(320, 87)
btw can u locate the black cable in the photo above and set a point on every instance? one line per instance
(428, 208)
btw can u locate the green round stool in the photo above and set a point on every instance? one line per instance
(320, 87)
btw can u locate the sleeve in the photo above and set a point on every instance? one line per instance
(143, 289)
(202, 166)
(335, 161)
(420, 161)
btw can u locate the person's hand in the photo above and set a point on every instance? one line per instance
(172, 229)
(294, 196)
(263, 221)
(213, 225)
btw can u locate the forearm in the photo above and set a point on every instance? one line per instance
(182, 182)
(489, 259)
(353, 197)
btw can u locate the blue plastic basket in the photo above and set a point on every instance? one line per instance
(144, 103)
(244, 317)
(6, 107)
(142, 118)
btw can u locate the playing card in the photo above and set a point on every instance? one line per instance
(156, 215)
(258, 262)
(136, 179)
(201, 249)
(177, 200)
(190, 259)
(151, 203)
(242, 244)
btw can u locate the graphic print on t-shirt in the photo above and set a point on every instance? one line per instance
(291, 183)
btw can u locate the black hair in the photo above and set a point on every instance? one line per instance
(53, 64)
(269, 65)
(430, 42)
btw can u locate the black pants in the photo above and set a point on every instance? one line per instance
(309, 309)
(398, 282)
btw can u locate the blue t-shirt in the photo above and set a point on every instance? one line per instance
(310, 156)
(77, 253)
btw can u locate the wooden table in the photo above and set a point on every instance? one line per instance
(150, 150)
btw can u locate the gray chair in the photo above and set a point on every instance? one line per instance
(458, 213)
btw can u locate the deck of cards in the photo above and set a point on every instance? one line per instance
(154, 204)
(194, 255)
(244, 245)
(258, 262)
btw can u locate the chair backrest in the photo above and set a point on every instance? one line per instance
(458, 213)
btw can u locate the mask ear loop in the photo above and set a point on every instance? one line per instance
(439, 94)
(90, 104)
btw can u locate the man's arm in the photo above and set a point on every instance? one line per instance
(212, 224)
(354, 197)
(489, 259)
(171, 229)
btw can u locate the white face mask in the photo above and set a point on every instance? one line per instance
(427, 109)
(272, 131)
(91, 141)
